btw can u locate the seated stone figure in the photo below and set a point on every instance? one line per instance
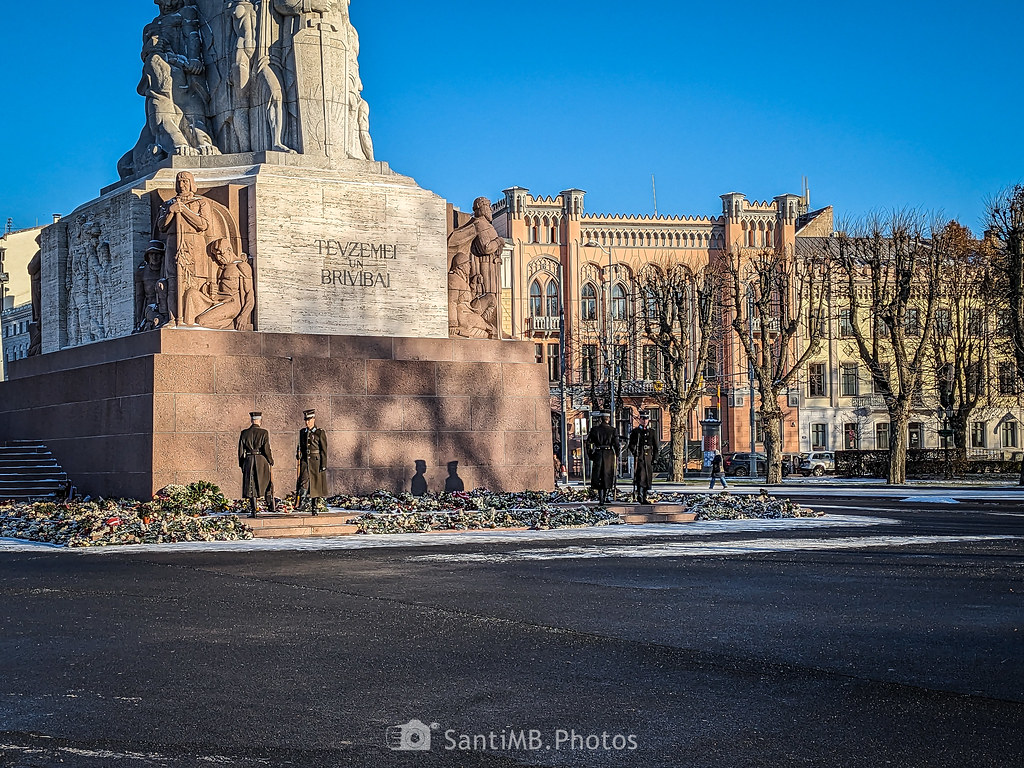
(227, 302)
(465, 315)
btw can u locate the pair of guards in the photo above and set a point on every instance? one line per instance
(256, 461)
(603, 448)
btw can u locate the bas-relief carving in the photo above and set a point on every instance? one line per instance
(249, 76)
(89, 288)
(191, 274)
(474, 276)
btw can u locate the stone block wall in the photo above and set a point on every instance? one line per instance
(357, 249)
(129, 416)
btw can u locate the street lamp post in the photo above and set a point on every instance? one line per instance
(610, 335)
(564, 458)
(947, 435)
(752, 471)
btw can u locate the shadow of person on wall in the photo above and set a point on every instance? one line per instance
(454, 482)
(419, 481)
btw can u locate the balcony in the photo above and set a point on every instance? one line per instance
(543, 324)
(773, 325)
(641, 387)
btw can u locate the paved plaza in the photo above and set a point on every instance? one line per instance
(887, 632)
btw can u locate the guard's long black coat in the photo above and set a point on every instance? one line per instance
(603, 448)
(255, 460)
(312, 456)
(644, 446)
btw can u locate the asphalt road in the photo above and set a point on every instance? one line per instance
(893, 637)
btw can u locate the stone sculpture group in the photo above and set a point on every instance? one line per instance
(191, 274)
(250, 76)
(474, 276)
(237, 78)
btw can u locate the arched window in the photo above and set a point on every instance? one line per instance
(536, 300)
(619, 304)
(652, 307)
(552, 299)
(534, 231)
(588, 304)
(553, 231)
(768, 237)
(547, 230)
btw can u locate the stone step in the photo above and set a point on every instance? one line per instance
(45, 482)
(13, 457)
(293, 526)
(645, 514)
(27, 494)
(33, 473)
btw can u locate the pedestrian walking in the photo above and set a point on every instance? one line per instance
(603, 449)
(717, 471)
(645, 446)
(311, 469)
(255, 460)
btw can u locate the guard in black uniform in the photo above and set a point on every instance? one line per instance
(644, 445)
(603, 449)
(255, 460)
(311, 458)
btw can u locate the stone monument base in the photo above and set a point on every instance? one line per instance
(128, 416)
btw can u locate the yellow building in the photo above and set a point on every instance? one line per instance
(842, 410)
(16, 251)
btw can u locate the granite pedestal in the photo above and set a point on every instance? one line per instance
(128, 416)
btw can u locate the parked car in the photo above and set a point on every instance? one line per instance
(738, 464)
(817, 463)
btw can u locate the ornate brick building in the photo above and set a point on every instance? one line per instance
(589, 264)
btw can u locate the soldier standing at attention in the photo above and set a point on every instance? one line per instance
(644, 446)
(603, 449)
(311, 456)
(255, 459)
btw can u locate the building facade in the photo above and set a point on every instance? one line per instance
(17, 249)
(572, 282)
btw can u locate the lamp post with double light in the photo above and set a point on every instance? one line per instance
(610, 334)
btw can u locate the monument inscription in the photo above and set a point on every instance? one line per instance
(365, 264)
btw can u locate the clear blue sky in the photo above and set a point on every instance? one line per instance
(881, 104)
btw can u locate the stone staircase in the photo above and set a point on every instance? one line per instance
(29, 471)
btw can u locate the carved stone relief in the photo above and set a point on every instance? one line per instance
(88, 285)
(192, 274)
(474, 276)
(230, 76)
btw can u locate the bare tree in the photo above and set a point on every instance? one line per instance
(890, 272)
(602, 344)
(962, 341)
(777, 300)
(1005, 239)
(676, 317)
